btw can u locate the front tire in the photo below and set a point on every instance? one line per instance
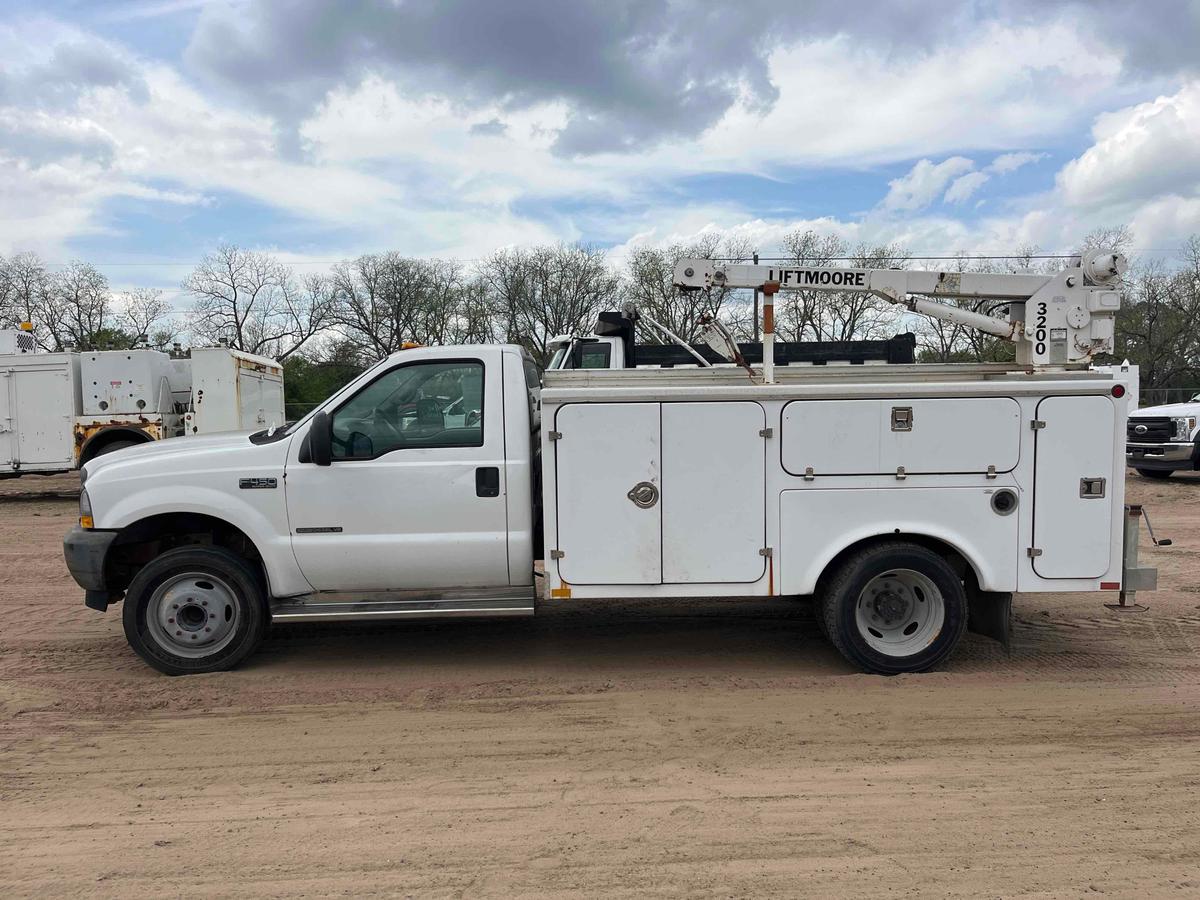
(1156, 474)
(194, 610)
(895, 607)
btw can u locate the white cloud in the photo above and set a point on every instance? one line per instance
(1010, 162)
(923, 183)
(965, 186)
(1147, 150)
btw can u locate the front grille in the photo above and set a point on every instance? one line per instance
(1158, 430)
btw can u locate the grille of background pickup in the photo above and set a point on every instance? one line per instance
(1158, 430)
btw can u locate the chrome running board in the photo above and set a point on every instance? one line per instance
(331, 606)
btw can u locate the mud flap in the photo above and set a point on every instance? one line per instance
(989, 613)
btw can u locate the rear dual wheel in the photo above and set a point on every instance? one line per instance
(894, 607)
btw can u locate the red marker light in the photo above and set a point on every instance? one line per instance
(1118, 390)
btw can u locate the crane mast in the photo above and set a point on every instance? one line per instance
(1060, 319)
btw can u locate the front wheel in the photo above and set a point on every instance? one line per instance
(895, 607)
(1156, 474)
(193, 610)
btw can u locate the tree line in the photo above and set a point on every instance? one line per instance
(328, 325)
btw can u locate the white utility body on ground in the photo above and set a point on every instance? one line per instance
(908, 499)
(60, 410)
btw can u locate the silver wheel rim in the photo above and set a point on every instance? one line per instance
(900, 612)
(193, 615)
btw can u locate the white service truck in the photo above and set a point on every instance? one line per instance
(911, 500)
(1164, 439)
(60, 410)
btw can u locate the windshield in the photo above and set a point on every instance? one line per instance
(291, 427)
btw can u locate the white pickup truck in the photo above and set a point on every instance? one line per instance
(911, 500)
(1164, 439)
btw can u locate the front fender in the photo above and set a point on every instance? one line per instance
(263, 519)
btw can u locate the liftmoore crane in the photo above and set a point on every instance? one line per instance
(1060, 319)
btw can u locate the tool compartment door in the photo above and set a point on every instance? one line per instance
(43, 415)
(922, 435)
(714, 488)
(606, 450)
(1073, 532)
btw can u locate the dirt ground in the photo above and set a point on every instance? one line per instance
(636, 749)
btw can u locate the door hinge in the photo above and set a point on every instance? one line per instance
(1036, 424)
(809, 474)
(900, 473)
(557, 554)
(991, 472)
(1032, 552)
(766, 432)
(766, 551)
(555, 435)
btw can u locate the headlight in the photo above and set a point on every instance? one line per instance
(85, 511)
(1184, 426)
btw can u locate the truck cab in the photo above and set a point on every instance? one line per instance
(416, 498)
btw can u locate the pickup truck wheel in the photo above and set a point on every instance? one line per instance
(1155, 473)
(194, 609)
(895, 607)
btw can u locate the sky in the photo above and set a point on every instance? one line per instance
(140, 134)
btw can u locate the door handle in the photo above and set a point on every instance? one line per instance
(487, 481)
(643, 494)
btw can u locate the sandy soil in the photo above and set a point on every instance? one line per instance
(706, 748)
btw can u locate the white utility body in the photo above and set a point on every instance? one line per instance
(906, 498)
(59, 410)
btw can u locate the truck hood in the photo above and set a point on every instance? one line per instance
(177, 449)
(1170, 409)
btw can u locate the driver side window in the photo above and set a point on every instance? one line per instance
(430, 404)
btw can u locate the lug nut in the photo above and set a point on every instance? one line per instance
(178, 633)
(204, 603)
(174, 606)
(170, 621)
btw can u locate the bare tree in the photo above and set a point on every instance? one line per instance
(1158, 326)
(650, 285)
(382, 300)
(26, 291)
(252, 300)
(145, 317)
(77, 311)
(840, 315)
(539, 292)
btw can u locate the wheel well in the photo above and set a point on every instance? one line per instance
(102, 439)
(144, 540)
(959, 563)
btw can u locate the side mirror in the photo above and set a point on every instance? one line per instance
(320, 439)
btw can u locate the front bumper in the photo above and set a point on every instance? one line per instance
(1160, 456)
(85, 552)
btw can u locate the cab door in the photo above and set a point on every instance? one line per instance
(415, 496)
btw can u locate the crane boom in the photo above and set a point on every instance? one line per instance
(1070, 321)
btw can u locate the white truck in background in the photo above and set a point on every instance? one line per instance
(1164, 439)
(60, 410)
(911, 501)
